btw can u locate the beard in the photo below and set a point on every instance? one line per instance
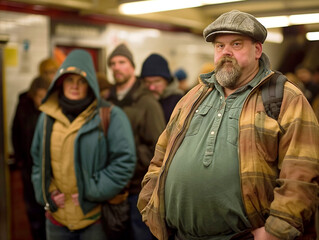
(227, 72)
(120, 79)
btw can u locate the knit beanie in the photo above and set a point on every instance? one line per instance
(156, 65)
(180, 74)
(121, 50)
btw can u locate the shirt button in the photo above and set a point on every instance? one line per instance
(196, 110)
(219, 115)
(212, 133)
(221, 97)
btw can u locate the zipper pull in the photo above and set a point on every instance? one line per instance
(47, 207)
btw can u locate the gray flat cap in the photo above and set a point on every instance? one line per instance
(236, 22)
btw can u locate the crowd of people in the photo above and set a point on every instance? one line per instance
(200, 163)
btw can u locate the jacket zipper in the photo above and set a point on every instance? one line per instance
(47, 205)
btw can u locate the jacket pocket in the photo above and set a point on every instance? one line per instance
(233, 127)
(197, 120)
(266, 136)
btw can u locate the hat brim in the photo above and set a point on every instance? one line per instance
(211, 37)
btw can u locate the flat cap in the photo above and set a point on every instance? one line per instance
(236, 22)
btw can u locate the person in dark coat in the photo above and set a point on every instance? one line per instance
(23, 127)
(158, 79)
(147, 121)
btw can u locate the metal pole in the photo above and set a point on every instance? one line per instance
(4, 173)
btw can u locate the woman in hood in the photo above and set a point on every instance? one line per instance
(77, 165)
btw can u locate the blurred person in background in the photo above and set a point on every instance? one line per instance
(316, 75)
(293, 78)
(104, 85)
(24, 122)
(158, 79)
(147, 121)
(315, 102)
(181, 76)
(76, 168)
(23, 127)
(48, 68)
(305, 76)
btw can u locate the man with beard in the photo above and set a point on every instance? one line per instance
(147, 121)
(223, 169)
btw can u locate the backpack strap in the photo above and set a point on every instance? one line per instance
(105, 115)
(272, 94)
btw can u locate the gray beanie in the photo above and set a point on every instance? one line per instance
(236, 22)
(121, 50)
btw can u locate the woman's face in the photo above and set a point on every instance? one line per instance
(75, 87)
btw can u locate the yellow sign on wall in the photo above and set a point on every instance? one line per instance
(11, 57)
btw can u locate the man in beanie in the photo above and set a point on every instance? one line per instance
(147, 121)
(158, 79)
(223, 169)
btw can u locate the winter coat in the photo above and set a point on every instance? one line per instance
(170, 97)
(279, 166)
(103, 165)
(24, 122)
(147, 121)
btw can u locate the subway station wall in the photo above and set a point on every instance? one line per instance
(33, 38)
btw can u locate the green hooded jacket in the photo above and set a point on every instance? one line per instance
(103, 164)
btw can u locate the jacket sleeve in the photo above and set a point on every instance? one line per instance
(296, 195)
(36, 153)
(109, 181)
(149, 183)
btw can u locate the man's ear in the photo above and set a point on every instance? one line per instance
(258, 49)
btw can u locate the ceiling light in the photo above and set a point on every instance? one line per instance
(143, 7)
(273, 22)
(312, 36)
(284, 21)
(274, 37)
(150, 6)
(304, 18)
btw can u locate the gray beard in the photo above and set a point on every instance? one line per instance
(225, 76)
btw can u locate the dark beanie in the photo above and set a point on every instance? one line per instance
(121, 50)
(180, 74)
(156, 65)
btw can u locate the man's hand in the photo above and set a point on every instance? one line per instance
(58, 198)
(261, 234)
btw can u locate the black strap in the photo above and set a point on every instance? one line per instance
(272, 94)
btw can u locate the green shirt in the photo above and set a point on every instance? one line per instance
(202, 190)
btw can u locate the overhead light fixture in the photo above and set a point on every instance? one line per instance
(275, 36)
(274, 22)
(304, 18)
(150, 6)
(285, 21)
(312, 36)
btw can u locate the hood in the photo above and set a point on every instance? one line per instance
(79, 62)
(264, 63)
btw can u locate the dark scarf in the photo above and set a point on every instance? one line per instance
(72, 108)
